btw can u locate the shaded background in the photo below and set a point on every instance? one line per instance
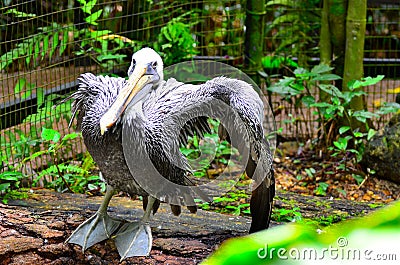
(45, 45)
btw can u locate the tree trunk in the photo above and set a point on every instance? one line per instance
(325, 44)
(255, 13)
(355, 35)
(337, 25)
(325, 35)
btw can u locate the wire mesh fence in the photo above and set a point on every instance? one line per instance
(292, 37)
(46, 45)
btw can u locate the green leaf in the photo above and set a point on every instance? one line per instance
(298, 86)
(11, 175)
(331, 90)
(36, 154)
(326, 77)
(389, 107)
(87, 7)
(45, 45)
(29, 50)
(54, 46)
(70, 136)
(6, 59)
(29, 88)
(322, 68)
(371, 133)
(340, 145)
(308, 100)
(93, 17)
(271, 62)
(353, 84)
(50, 135)
(280, 2)
(321, 188)
(321, 105)
(19, 13)
(342, 142)
(82, 2)
(343, 129)
(362, 115)
(358, 178)
(285, 18)
(64, 41)
(186, 151)
(40, 96)
(300, 71)
(283, 90)
(20, 85)
(110, 57)
(358, 134)
(310, 172)
(166, 34)
(37, 52)
(92, 187)
(96, 34)
(4, 186)
(367, 81)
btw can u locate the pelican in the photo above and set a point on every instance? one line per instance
(107, 107)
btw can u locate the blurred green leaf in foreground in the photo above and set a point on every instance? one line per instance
(373, 239)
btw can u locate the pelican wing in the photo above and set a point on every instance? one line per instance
(175, 110)
(91, 88)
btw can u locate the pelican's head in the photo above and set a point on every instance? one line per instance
(145, 74)
(147, 57)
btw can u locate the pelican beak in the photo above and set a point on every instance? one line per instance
(142, 75)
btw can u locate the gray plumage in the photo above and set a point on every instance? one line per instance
(150, 122)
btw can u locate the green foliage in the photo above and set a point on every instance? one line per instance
(24, 90)
(29, 53)
(46, 112)
(233, 202)
(53, 40)
(58, 174)
(101, 45)
(277, 62)
(175, 42)
(9, 180)
(87, 8)
(211, 148)
(63, 175)
(286, 215)
(321, 188)
(300, 91)
(19, 144)
(294, 29)
(295, 241)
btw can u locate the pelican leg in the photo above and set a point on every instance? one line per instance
(135, 239)
(98, 227)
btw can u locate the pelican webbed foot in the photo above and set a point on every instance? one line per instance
(94, 230)
(135, 239)
(98, 227)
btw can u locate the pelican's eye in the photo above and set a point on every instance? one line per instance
(154, 65)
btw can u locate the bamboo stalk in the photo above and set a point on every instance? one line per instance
(355, 36)
(255, 12)
(337, 26)
(325, 43)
